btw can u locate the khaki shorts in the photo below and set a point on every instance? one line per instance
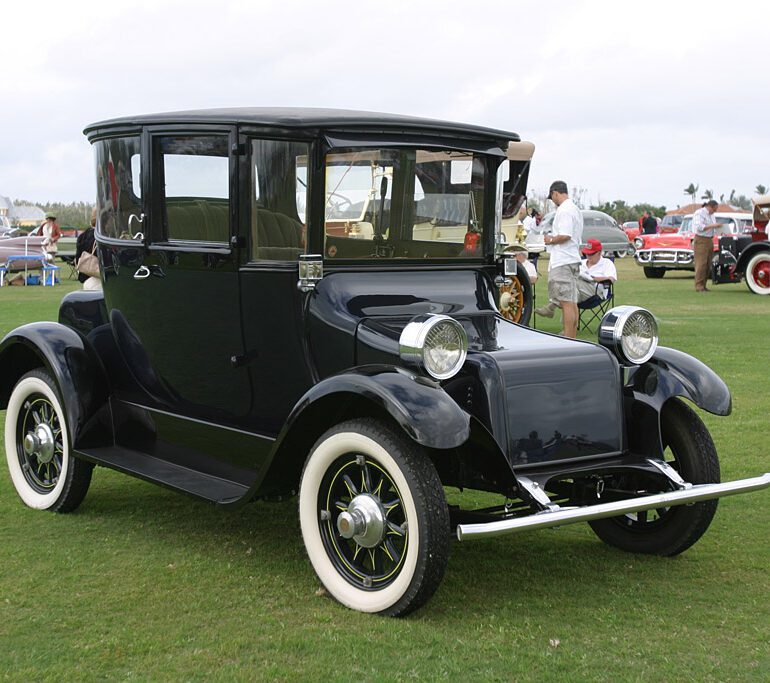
(562, 283)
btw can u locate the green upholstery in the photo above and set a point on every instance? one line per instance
(276, 237)
(199, 220)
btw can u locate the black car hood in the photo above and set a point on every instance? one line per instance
(543, 398)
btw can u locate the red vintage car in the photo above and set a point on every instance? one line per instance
(673, 251)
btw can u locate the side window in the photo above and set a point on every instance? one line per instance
(278, 199)
(195, 205)
(118, 186)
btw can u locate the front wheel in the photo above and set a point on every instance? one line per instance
(758, 273)
(374, 518)
(688, 448)
(37, 445)
(654, 273)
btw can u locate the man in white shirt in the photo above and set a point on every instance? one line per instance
(703, 242)
(564, 264)
(595, 272)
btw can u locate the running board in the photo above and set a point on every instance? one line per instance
(199, 484)
(562, 516)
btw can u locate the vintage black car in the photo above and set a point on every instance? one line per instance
(305, 301)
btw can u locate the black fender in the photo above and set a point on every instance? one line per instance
(417, 404)
(748, 253)
(680, 374)
(669, 374)
(72, 362)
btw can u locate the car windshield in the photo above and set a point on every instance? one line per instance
(675, 219)
(686, 223)
(593, 221)
(404, 203)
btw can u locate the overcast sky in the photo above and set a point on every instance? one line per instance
(629, 100)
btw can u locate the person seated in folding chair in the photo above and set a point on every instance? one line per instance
(595, 272)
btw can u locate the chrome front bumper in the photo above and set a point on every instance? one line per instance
(561, 516)
(665, 257)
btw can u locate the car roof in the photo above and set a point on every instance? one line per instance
(299, 118)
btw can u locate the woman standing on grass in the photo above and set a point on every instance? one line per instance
(85, 245)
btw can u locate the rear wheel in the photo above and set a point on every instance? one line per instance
(374, 518)
(688, 448)
(654, 273)
(37, 445)
(758, 273)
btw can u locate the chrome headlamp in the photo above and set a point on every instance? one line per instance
(630, 332)
(638, 242)
(436, 343)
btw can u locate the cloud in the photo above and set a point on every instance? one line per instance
(628, 99)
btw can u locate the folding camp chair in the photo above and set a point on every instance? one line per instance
(592, 310)
(70, 261)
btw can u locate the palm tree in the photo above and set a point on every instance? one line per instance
(732, 197)
(708, 195)
(760, 189)
(692, 190)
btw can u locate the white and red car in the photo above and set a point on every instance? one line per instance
(673, 251)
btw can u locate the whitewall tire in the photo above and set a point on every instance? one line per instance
(374, 518)
(758, 273)
(38, 450)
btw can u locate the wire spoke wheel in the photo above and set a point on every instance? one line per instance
(37, 446)
(374, 518)
(353, 484)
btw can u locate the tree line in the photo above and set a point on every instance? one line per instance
(75, 214)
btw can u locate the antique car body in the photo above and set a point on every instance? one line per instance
(599, 226)
(673, 251)
(671, 223)
(748, 256)
(22, 246)
(632, 229)
(244, 348)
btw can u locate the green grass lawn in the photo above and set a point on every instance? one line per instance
(141, 583)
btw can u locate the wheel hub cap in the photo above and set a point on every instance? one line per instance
(40, 443)
(364, 521)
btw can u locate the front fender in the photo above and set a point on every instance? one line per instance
(669, 374)
(71, 361)
(680, 374)
(420, 406)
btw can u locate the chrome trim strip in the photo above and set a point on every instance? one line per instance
(621, 507)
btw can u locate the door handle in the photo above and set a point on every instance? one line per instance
(142, 273)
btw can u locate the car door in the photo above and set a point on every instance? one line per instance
(173, 296)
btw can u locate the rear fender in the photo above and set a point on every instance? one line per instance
(73, 364)
(748, 253)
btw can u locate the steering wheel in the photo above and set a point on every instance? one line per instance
(337, 206)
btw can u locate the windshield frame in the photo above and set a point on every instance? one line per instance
(487, 157)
